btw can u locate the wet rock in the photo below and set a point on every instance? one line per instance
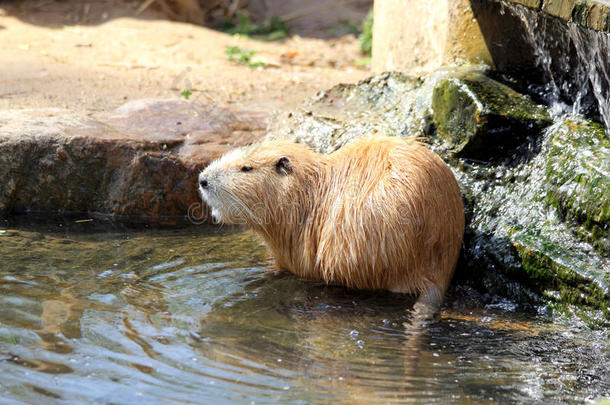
(390, 103)
(480, 118)
(552, 59)
(557, 281)
(141, 160)
(558, 8)
(594, 14)
(578, 177)
(523, 242)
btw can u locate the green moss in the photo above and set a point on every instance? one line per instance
(560, 284)
(456, 114)
(578, 178)
(479, 117)
(593, 318)
(500, 99)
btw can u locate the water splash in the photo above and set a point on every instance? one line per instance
(592, 56)
(510, 208)
(588, 65)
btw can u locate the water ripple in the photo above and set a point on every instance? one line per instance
(193, 317)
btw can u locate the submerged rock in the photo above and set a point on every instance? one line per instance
(139, 161)
(480, 118)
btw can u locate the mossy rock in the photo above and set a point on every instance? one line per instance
(578, 178)
(561, 284)
(550, 267)
(480, 118)
(515, 235)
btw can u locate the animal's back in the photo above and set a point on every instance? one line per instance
(393, 218)
(380, 213)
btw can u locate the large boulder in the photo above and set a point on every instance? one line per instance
(387, 103)
(141, 160)
(480, 118)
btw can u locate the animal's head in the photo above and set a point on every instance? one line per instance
(249, 185)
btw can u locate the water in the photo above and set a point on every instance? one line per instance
(584, 53)
(94, 313)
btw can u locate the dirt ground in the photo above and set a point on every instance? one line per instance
(94, 56)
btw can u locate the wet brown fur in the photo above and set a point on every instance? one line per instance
(380, 213)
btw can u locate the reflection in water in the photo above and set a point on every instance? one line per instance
(102, 314)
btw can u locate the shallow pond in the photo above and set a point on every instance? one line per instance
(96, 313)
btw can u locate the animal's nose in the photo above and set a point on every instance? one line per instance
(203, 183)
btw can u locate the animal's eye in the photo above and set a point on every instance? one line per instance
(246, 168)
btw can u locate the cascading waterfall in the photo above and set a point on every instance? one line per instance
(592, 57)
(589, 73)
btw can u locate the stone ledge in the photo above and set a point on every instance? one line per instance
(141, 160)
(593, 14)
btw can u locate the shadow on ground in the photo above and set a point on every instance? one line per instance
(305, 18)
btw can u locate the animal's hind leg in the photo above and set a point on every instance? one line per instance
(426, 307)
(428, 304)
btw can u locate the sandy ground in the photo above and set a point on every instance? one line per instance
(93, 59)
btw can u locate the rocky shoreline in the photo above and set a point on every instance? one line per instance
(535, 186)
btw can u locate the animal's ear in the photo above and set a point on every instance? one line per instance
(283, 166)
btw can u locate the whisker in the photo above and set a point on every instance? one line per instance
(233, 198)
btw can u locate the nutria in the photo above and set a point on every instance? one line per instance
(379, 213)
